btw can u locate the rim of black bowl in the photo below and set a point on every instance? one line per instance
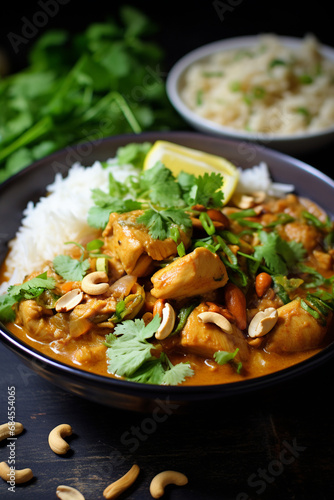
(182, 392)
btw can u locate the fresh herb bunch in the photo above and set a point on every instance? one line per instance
(76, 88)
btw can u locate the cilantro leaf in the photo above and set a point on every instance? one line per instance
(160, 186)
(98, 215)
(130, 329)
(7, 312)
(160, 222)
(176, 374)
(129, 355)
(150, 372)
(129, 348)
(70, 269)
(206, 190)
(224, 357)
(30, 289)
(278, 254)
(133, 154)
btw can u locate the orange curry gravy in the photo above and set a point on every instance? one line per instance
(296, 336)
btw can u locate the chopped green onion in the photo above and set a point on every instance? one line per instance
(199, 97)
(277, 62)
(226, 249)
(309, 309)
(249, 212)
(181, 249)
(207, 223)
(281, 219)
(183, 316)
(305, 79)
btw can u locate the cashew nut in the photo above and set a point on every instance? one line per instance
(116, 488)
(167, 323)
(10, 429)
(56, 442)
(69, 300)
(161, 480)
(263, 322)
(95, 283)
(68, 493)
(217, 319)
(21, 476)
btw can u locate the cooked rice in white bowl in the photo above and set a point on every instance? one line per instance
(268, 88)
(278, 91)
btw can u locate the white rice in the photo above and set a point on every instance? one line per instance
(58, 217)
(262, 88)
(61, 216)
(258, 178)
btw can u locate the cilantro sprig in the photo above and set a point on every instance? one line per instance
(161, 222)
(279, 255)
(129, 355)
(30, 289)
(75, 269)
(166, 201)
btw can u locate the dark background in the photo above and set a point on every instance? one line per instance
(221, 446)
(183, 25)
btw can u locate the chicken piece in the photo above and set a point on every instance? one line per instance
(94, 308)
(295, 330)
(324, 260)
(194, 274)
(132, 244)
(31, 316)
(306, 234)
(204, 339)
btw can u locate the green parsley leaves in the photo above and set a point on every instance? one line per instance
(130, 355)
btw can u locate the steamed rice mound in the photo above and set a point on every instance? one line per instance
(58, 217)
(268, 88)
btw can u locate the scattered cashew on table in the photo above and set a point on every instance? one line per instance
(59, 446)
(56, 439)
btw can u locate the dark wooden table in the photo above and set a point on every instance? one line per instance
(275, 445)
(272, 445)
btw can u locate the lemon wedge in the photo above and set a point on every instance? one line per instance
(192, 161)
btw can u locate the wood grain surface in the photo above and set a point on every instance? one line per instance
(276, 444)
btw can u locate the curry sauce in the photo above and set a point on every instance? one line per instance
(215, 276)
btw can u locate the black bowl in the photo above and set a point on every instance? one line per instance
(30, 184)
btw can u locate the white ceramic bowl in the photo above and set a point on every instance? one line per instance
(293, 144)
